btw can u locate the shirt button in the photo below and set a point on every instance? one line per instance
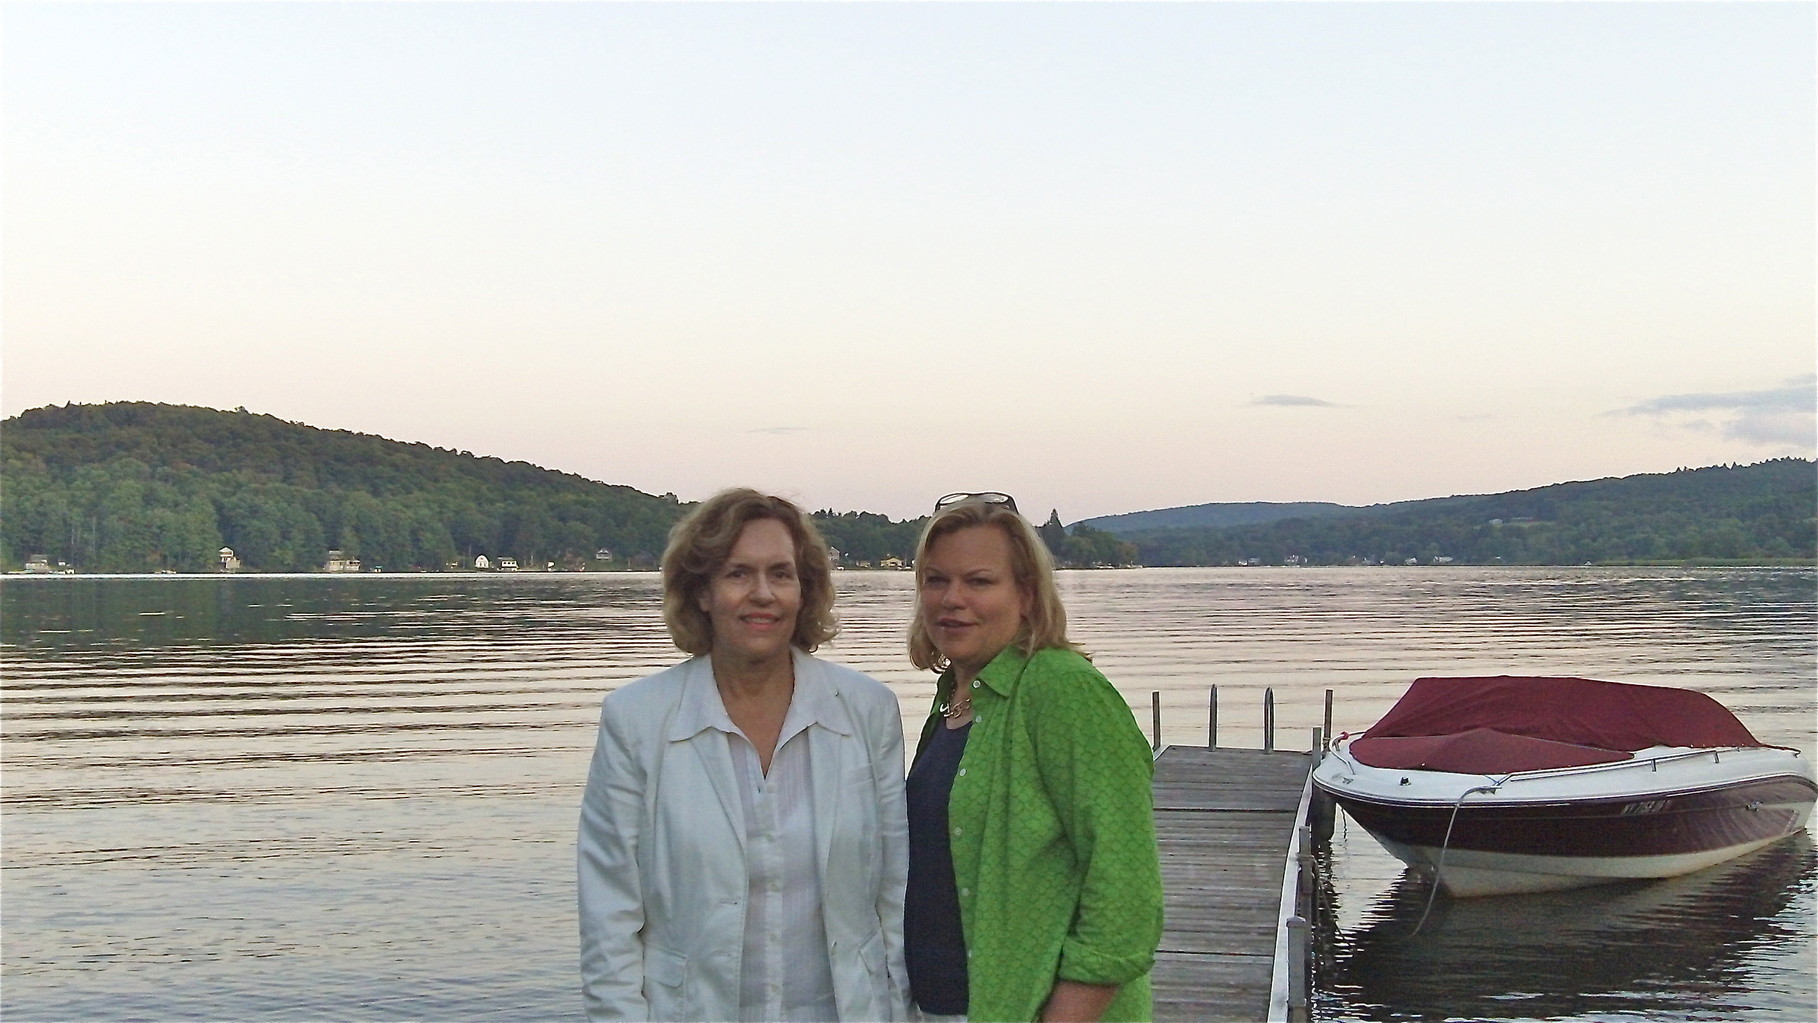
(958, 831)
(962, 772)
(975, 683)
(965, 891)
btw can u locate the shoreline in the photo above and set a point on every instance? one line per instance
(1690, 564)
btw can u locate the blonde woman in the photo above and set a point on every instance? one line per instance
(1034, 882)
(742, 844)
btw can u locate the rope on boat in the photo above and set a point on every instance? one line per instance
(1443, 845)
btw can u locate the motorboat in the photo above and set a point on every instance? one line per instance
(1508, 784)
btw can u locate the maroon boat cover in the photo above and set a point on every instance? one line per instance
(1517, 723)
(1477, 751)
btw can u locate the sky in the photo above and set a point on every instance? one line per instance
(1105, 257)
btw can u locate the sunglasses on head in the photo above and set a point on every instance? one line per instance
(988, 497)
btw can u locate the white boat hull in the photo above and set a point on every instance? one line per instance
(1667, 812)
(1469, 873)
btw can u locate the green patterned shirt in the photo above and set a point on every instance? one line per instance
(1053, 837)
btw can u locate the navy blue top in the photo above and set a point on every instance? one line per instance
(934, 946)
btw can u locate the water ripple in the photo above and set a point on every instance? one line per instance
(279, 798)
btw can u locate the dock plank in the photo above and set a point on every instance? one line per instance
(1215, 986)
(1224, 820)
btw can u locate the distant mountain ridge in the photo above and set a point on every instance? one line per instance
(1217, 515)
(143, 487)
(1767, 512)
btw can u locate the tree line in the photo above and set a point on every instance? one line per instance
(1762, 513)
(142, 487)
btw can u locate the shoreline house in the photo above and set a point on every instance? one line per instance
(338, 561)
(227, 561)
(482, 564)
(40, 564)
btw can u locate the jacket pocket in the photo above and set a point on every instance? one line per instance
(665, 983)
(871, 953)
(861, 979)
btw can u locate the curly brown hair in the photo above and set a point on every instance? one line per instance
(702, 541)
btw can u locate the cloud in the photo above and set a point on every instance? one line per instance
(1799, 394)
(1294, 401)
(1784, 415)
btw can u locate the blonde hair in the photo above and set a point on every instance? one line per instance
(1031, 567)
(702, 542)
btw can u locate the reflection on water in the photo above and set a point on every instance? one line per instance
(339, 798)
(1689, 947)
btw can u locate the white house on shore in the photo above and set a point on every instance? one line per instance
(229, 562)
(482, 564)
(338, 561)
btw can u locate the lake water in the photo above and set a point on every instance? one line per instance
(324, 798)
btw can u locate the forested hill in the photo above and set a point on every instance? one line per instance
(1755, 513)
(139, 487)
(142, 487)
(135, 487)
(1215, 515)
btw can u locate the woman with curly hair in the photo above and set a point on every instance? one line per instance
(743, 846)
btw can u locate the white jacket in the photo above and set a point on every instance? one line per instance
(661, 860)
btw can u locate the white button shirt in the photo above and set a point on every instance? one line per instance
(785, 974)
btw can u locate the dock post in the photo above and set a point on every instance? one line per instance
(1309, 872)
(1212, 721)
(1322, 814)
(1300, 978)
(1322, 810)
(1155, 718)
(1269, 720)
(1318, 745)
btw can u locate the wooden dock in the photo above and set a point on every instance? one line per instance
(1226, 821)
